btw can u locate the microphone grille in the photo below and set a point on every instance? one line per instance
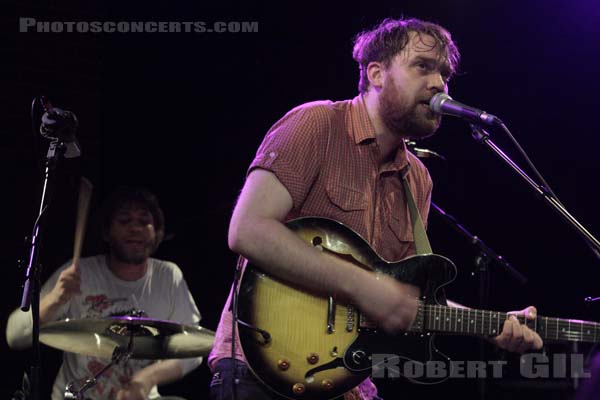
(437, 100)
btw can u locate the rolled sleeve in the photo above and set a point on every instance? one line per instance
(294, 148)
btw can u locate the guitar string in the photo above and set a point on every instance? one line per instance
(556, 326)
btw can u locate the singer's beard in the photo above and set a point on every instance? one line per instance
(412, 121)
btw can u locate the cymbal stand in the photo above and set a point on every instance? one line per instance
(119, 355)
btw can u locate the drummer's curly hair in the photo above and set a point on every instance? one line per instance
(132, 195)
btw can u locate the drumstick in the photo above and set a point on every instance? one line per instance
(85, 193)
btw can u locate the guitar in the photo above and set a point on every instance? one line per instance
(305, 346)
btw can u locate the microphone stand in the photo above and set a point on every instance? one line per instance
(31, 288)
(485, 258)
(482, 136)
(483, 261)
(486, 254)
(59, 126)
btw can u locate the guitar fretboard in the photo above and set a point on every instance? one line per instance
(489, 323)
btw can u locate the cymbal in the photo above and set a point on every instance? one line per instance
(153, 339)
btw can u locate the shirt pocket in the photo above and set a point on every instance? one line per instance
(347, 198)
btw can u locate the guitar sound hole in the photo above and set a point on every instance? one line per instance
(317, 241)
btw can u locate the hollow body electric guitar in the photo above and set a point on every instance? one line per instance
(306, 346)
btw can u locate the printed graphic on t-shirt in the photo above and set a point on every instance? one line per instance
(97, 305)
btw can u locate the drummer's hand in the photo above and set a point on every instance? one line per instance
(134, 390)
(67, 285)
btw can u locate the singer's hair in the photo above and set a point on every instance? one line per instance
(390, 37)
(126, 196)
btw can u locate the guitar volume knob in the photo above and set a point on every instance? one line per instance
(283, 364)
(298, 388)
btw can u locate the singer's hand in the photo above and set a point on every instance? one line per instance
(391, 304)
(517, 337)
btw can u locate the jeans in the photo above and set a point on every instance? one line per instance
(247, 386)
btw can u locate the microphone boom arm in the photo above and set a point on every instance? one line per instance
(483, 137)
(476, 241)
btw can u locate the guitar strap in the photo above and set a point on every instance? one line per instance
(421, 242)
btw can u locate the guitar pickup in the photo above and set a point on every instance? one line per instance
(330, 315)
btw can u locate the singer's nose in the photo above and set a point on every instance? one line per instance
(437, 83)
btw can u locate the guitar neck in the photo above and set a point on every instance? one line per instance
(444, 319)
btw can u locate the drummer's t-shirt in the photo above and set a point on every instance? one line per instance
(161, 294)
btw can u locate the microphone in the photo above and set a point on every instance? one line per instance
(441, 103)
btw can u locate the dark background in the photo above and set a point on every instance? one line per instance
(183, 113)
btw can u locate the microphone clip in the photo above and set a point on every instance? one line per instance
(60, 125)
(479, 134)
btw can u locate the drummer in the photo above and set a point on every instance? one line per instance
(123, 280)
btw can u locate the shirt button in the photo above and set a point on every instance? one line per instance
(272, 154)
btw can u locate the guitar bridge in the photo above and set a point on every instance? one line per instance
(350, 312)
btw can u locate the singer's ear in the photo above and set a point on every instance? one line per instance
(375, 74)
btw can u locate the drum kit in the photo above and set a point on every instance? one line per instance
(121, 338)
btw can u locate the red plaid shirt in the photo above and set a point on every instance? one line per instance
(326, 155)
